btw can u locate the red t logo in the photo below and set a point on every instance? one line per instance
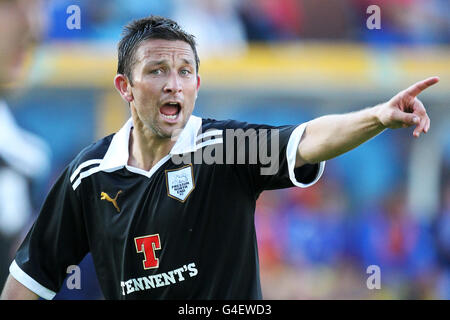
(148, 245)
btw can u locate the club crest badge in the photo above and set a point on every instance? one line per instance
(180, 183)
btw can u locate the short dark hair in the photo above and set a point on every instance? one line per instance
(152, 27)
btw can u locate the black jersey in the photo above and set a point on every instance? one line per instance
(183, 230)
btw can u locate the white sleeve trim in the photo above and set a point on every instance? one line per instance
(291, 155)
(30, 283)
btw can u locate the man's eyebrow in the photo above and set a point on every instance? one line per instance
(166, 62)
(188, 61)
(156, 62)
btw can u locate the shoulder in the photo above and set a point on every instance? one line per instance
(211, 124)
(90, 157)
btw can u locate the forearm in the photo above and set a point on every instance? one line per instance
(330, 136)
(14, 290)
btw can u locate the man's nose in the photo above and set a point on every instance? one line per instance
(173, 84)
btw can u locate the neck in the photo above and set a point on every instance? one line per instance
(146, 148)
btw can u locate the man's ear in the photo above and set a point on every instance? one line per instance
(198, 82)
(123, 85)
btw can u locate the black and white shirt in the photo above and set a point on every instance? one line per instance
(183, 230)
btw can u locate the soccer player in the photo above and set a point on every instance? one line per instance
(166, 205)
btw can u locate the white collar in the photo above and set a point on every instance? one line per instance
(117, 155)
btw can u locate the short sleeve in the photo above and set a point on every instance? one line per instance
(270, 154)
(308, 174)
(56, 240)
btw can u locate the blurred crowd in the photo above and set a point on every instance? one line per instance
(314, 243)
(232, 24)
(321, 247)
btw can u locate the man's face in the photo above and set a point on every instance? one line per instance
(165, 85)
(20, 24)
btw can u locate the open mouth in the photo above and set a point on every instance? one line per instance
(170, 110)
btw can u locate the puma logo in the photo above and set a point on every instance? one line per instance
(105, 196)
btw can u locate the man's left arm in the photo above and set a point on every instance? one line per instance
(330, 136)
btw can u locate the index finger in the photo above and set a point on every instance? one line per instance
(418, 87)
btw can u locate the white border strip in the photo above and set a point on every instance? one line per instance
(209, 133)
(291, 155)
(84, 165)
(83, 175)
(148, 174)
(209, 142)
(30, 283)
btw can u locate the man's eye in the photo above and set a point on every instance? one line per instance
(156, 71)
(185, 72)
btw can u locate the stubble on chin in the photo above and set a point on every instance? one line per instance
(149, 130)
